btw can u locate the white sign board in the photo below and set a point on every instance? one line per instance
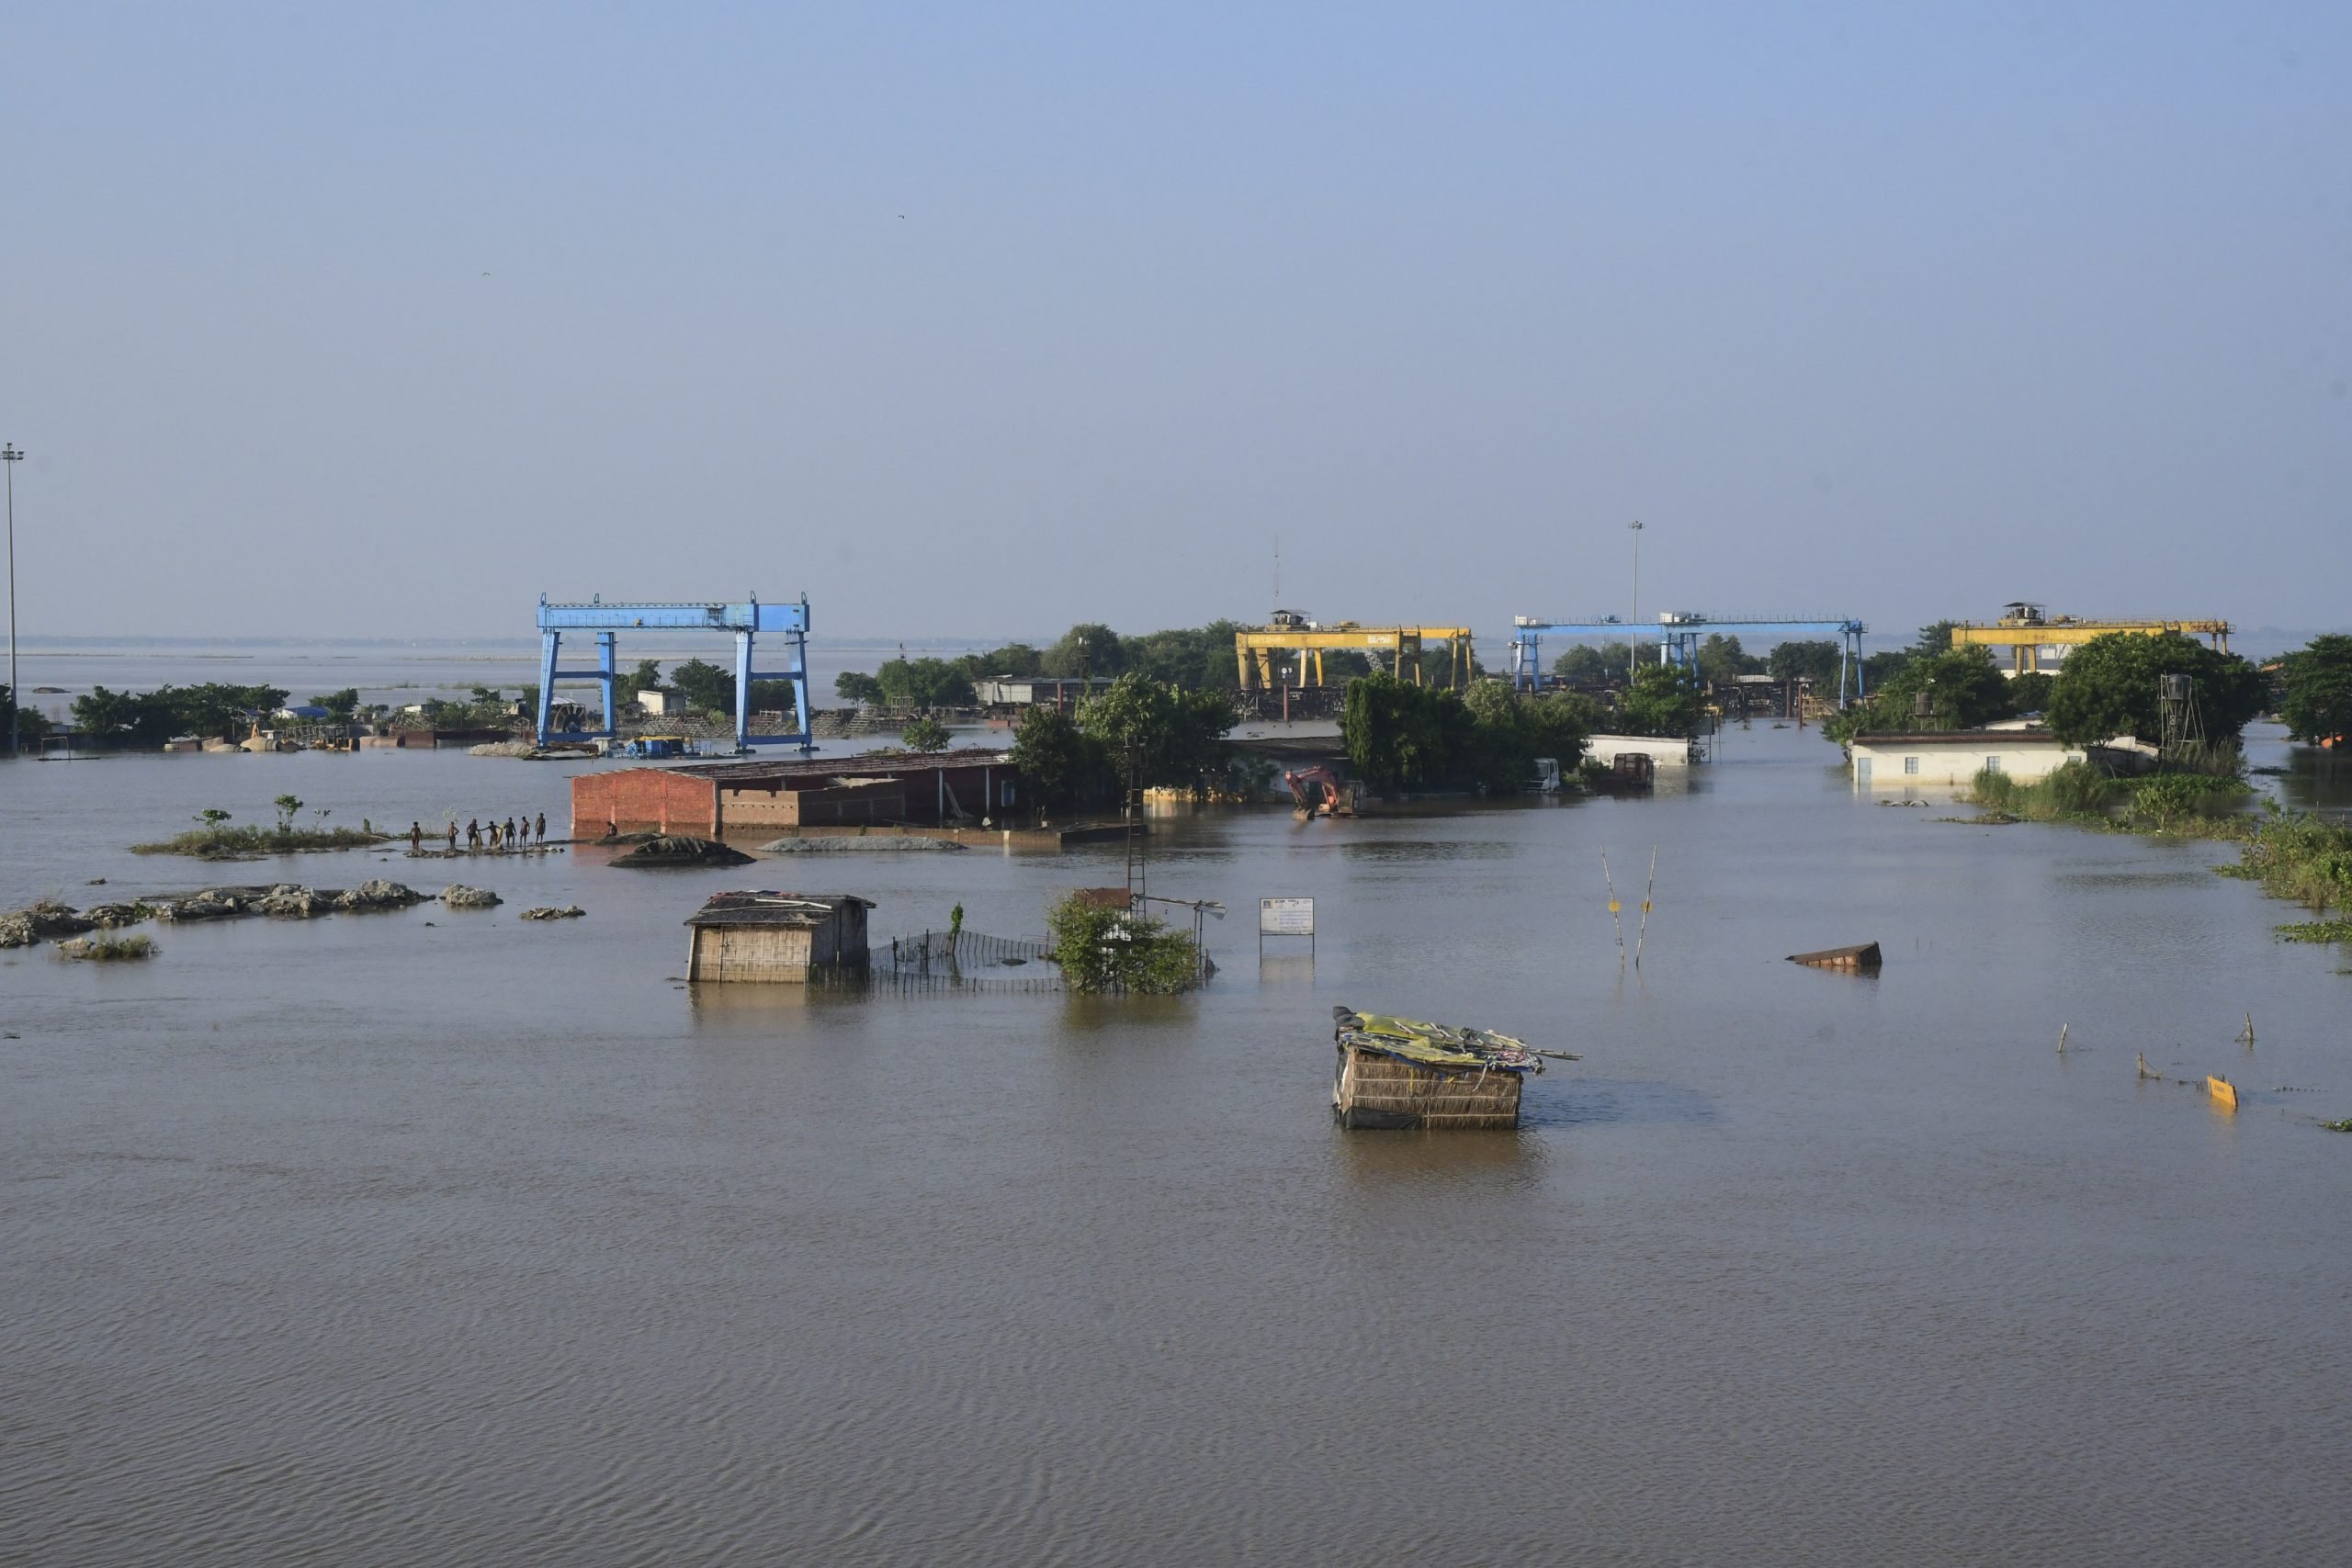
(1286, 916)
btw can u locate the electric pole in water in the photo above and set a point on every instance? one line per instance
(1633, 639)
(9, 459)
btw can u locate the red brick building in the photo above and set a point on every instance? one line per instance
(708, 800)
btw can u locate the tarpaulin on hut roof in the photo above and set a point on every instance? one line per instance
(1433, 1044)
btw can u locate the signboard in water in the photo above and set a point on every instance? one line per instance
(1286, 916)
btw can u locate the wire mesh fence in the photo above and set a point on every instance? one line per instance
(965, 960)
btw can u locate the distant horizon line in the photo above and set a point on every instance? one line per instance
(868, 642)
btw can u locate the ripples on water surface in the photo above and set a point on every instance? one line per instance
(367, 1241)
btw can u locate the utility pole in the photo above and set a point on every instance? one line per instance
(9, 459)
(1633, 637)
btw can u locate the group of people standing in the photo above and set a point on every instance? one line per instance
(514, 833)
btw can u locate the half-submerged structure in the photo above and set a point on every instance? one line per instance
(1403, 1073)
(777, 937)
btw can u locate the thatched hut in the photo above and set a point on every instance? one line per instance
(1374, 1090)
(788, 937)
(1401, 1073)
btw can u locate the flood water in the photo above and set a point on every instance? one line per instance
(445, 1236)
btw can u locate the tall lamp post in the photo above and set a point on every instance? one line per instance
(9, 459)
(1633, 633)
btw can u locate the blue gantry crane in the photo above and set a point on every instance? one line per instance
(1678, 640)
(746, 621)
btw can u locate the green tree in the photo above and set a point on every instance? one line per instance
(222, 711)
(2110, 686)
(1879, 668)
(1402, 737)
(1013, 659)
(924, 683)
(126, 717)
(1117, 950)
(646, 677)
(1815, 661)
(1721, 659)
(926, 735)
(1088, 648)
(1934, 638)
(2315, 691)
(1060, 764)
(1177, 736)
(1585, 665)
(1192, 657)
(287, 805)
(30, 724)
(340, 705)
(1557, 724)
(703, 686)
(1963, 688)
(2029, 692)
(1662, 700)
(1508, 732)
(856, 686)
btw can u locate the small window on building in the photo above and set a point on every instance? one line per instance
(1992, 764)
(1910, 764)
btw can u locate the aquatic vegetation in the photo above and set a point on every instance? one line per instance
(2298, 856)
(2316, 930)
(216, 837)
(108, 949)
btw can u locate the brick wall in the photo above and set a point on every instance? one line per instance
(643, 800)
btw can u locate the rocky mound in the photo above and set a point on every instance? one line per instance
(678, 849)
(38, 922)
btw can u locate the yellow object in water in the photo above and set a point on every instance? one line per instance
(2223, 1092)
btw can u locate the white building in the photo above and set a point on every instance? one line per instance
(1944, 761)
(1664, 752)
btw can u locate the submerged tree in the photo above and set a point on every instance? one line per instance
(926, 735)
(1060, 764)
(1174, 736)
(2315, 691)
(1662, 700)
(1117, 950)
(1962, 686)
(2111, 687)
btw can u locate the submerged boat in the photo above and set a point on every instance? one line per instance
(1405, 1073)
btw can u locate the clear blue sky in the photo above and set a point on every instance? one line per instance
(978, 319)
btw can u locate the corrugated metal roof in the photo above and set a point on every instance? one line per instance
(770, 909)
(816, 772)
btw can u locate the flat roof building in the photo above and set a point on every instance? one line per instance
(1946, 761)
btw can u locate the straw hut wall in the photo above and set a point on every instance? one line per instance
(1373, 1090)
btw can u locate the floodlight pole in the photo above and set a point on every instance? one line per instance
(1633, 634)
(9, 459)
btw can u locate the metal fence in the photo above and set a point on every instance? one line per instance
(965, 960)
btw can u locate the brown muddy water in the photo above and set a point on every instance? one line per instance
(444, 1236)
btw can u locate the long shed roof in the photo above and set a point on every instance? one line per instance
(816, 772)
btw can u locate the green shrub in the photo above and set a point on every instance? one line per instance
(1113, 950)
(2167, 798)
(2078, 789)
(108, 949)
(1994, 790)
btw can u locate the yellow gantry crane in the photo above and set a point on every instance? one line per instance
(2025, 630)
(1290, 631)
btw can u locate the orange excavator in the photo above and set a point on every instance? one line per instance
(1321, 792)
